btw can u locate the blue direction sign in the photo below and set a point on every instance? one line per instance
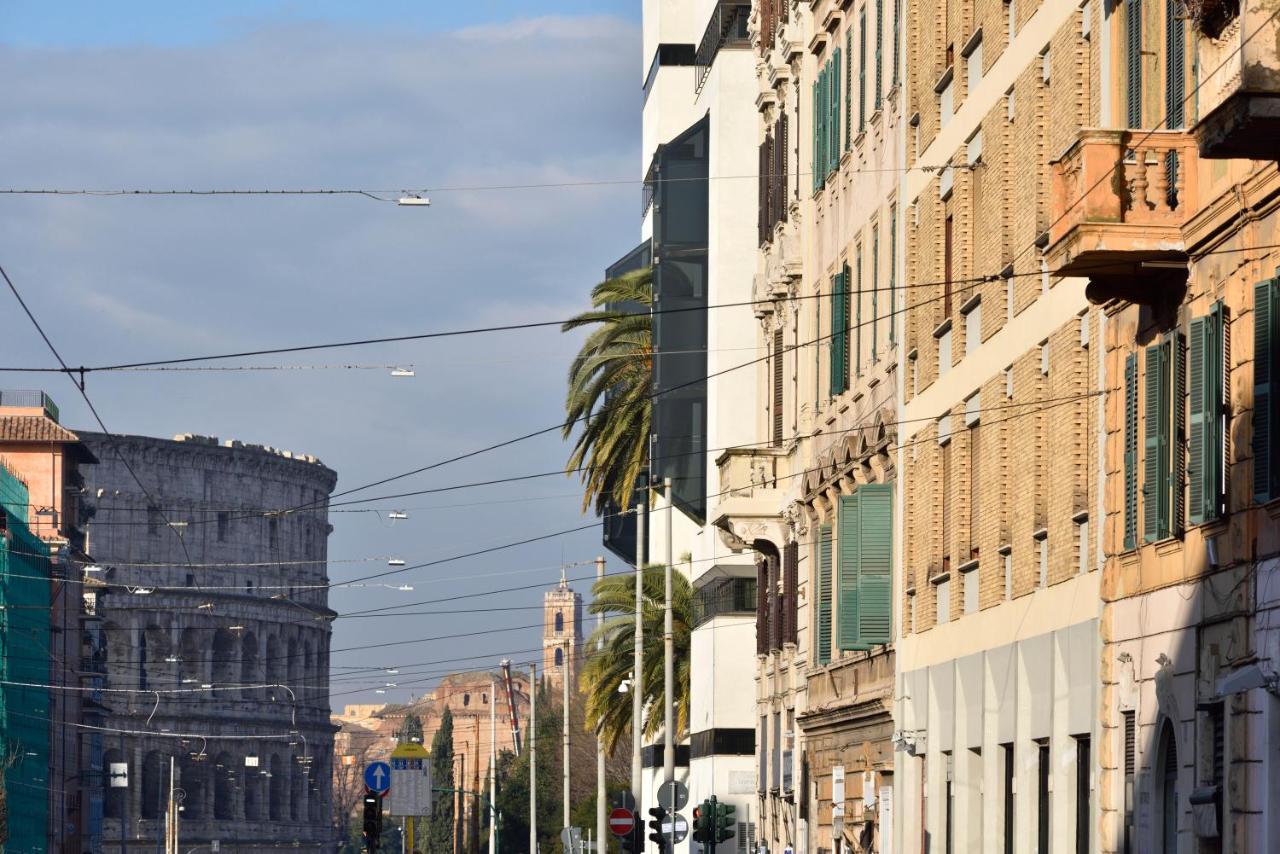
(377, 776)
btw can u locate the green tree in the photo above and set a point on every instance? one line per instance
(410, 729)
(610, 386)
(614, 596)
(441, 829)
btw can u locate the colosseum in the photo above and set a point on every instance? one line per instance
(221, 598)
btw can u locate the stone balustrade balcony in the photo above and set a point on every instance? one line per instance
(1120, 199)
(1239, 97)
(753, 482)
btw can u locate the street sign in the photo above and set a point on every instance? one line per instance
(410, 781)
(377, 777)
(673, 795)
(621, 821)
(676, 828)
(624, 798)
(119, 774)
(571, 839)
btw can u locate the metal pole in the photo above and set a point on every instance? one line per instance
(668, 656)
(171, 844)
(533, 759)
(124, 799)
(600, 787)
(637, 666)
(564, 721)
(493, 767)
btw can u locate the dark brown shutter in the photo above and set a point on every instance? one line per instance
(790, 576)
(783, 141)
(775, 606)
(762, 608)
(762, 218)
(946, 267)
(778, 380)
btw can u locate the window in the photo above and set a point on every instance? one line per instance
(973, 148)
(1167, 800)
(973, 66)
(1044, 275)
(1043, 794)
(972, 413)
(893, 272)
(559, 656)
(1008, 382)
(466, 699)
(972, 328)
(778, 380)
(915, 374)
(945, 103)
(947, 257)
(1044, 358)
(1082, 544)
(224, 522)
(1131, 451)
(857, 317)
(944, 350)
(970, 576)
(1011, 16)
(762, 776)
(1130, 775)
(1266, 402)
(942, 592)
(848, 91)
(1007, 555)
(823, 633)
(1162, 427)
(875, 288)
(1208, 362)
(1010, 106)
(897, 29)
(840, 332)
(1084, 794)
(1133, 62)
(1042, 551)
(559, 622)
(191, 579)
(948, 803)
(879, 53)
(1175, 63)
(1008, 298)
(864, 537)
(1006, 755)
(1045, 66)
(862, 70)
(911, 598)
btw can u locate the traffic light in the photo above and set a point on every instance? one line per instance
(660, 816)
(702, 822)
(723, 821)
(372, 821)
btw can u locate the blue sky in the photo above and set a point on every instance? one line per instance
(127, 95)
(164, 22)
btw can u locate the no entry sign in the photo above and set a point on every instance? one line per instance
(621, 821)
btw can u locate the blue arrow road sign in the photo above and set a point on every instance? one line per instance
(377, 776)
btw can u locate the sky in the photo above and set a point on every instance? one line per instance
(392, 95)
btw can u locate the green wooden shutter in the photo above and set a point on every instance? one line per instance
(1131, 451)
(848, 93)
(839, 334)
(893, 274)
(1153, 396)
(1199, 467)
(897, 40)
(875, 290)
(879, 51)
(1175, 89)
(875, 568)
(817, 135)
(862, 70)
(823, 628)
(1264, 359)
(833, 154)
(1133, 62)
(848, 549)
(1176, 443)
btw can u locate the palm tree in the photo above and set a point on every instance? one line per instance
(604, 672)
(610, 383)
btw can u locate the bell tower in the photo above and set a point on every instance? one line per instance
(561, 631)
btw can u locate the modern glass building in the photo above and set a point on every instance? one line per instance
(24, 670)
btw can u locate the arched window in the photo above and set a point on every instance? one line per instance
(559, 622)
(559, 656)
(1167, 779)
(249, 665)
(225, 774)
(151, 792)
(466, 699)
(278, 800)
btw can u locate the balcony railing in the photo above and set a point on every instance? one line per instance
(744, 471)
(29, 398)
(1119, 201)
(727, 28)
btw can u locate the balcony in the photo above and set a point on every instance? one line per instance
(753, 486)
(1119, 201)
(727, 28)
(1239, 99)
